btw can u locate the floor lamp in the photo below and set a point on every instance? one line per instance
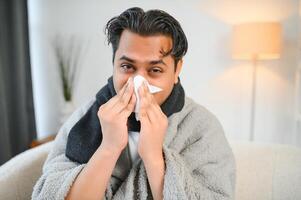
(256, 41)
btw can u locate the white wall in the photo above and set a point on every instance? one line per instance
(274, 119)
(209, 74)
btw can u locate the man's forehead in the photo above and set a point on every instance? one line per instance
(133, 43)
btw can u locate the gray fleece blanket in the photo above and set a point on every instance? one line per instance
(199, 163)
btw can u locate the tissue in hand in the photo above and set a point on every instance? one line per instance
(138, 80)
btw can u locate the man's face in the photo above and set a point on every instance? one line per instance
(141, 55)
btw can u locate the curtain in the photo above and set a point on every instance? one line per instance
(17, 122)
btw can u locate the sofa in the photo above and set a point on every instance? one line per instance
(264, 172)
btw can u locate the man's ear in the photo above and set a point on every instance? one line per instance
(178, 70)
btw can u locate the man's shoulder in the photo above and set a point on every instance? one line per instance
(194, 121)
(191, 107)
(196, 114)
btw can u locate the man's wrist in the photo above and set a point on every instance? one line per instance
(109, 152)
(153, 159)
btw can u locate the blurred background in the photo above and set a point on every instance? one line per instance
(243, 64)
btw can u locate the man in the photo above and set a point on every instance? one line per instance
(181, 147)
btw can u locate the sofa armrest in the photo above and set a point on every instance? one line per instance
(19, 174)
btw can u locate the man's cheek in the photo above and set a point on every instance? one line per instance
(158, 97)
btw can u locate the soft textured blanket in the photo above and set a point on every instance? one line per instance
(199, 163)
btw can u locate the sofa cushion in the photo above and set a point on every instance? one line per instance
(267, 171)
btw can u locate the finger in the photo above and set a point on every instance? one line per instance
(154, 103)
(125, 98)
(154, 111)
(158, 110)
(112, 102)
(144, 102)
(150, 97)
(130, 107)
(148, 94)
(152, 114)
(123, 89)
(143, 116)
(151, 110)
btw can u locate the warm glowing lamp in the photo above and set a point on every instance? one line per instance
(256, 41)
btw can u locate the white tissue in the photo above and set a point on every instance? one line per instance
(138, 80)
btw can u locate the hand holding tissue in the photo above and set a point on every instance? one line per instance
(138, 80)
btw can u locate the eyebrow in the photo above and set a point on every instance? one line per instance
(152, 62)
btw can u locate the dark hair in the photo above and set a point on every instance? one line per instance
(152, 22)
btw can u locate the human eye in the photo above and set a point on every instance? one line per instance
(126, 67)
(156, 70)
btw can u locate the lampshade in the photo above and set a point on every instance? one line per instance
(260, 40)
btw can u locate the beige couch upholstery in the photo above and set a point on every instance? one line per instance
(267, 171)
(264, 172)
(18, 175)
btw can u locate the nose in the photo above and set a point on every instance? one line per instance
(142, 73)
